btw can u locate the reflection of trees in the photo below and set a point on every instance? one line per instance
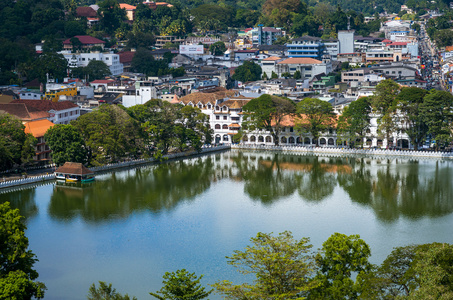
(268, 182)
(157, 188)
(318, 183)
(358, 183)
(24, 200)
(400, 191)
(427, 196)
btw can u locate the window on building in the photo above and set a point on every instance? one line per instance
(217, 126)
(217, 117)
(225, 117)
(224, 126)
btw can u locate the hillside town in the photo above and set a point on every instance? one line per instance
(221, 73)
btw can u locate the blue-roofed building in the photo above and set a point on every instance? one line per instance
(306, 46)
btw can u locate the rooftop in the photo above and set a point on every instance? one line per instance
(38, 128)
(301, 60)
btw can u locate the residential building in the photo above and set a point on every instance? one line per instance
(38, 129)
(76, 60)
(31, 95)
(62, 112)
(144, 91)
(266, 35)
(308, 67)
(346, 41)
(306, 46)
(353, 59)
(86, 42)
(161, 40)
(55, 90)
(130, 10)
(268, 65)
(241, 55)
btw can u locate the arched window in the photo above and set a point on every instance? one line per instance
(331, 142)
(283, 140)
(322, 141)
(253, 139)
(245, 138)
(217, 126)
(268, 139)
(224, 126)
(291, 140)
(307, 141)
(260, 139)
(225, 137)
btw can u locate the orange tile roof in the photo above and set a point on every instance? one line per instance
(38, 128)
(235, 104)
(234, 125)
(301, 60)
(127, 6)
(272, 58)
(206, 98)
(449, 48)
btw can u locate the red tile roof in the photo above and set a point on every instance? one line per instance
(127, 6)
(85, 40)
(397, 44)
(126, 56)
(86, 11)
(46, 105)
(21, 111)
(73, 168)
(102, 81)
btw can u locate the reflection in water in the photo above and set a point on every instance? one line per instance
(154, 188)
(391, 187)
(23, 199)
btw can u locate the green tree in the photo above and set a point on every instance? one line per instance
(268, 113)
(53, 64)
(409, 101)
(436, 112)
(282, 267)
(67, 144)
(111, 15)
(218, 48)
(314, 117)
(339, 258)
(181, 285)
(355, 120)
(16, 147)
(106, 292)
(97, 69)
(192, 130)
(297, 75)
(274, 75)
(248, 71)
(16, 262)
(384, 103)
(110, 134)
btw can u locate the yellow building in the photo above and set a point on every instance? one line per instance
(54, 91)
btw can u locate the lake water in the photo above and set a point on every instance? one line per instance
(129, 227)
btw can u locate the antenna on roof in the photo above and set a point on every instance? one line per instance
(349, 22)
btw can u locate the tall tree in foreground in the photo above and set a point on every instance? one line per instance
(16, 262)
(340, 258)
(181, 285)
(16, 147)
(314, 117)
(282, 267)
(106, 292)
(268, 113)
(355, 120)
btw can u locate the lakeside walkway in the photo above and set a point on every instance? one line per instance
(310, 150)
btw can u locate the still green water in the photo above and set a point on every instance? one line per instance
(130, 227)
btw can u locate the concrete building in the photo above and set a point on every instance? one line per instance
(346, 41)
(265, 35)
(144, 91)
(268, 65)
(308, 67)
(76, 60)
(306, 46)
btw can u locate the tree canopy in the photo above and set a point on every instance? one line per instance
(248, 71)
(16, 261)
(67, 144)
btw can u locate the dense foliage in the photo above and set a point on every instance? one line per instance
(181, 285)
(16, 147)
(16, 262)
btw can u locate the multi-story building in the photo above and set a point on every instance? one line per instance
(265, 35)
(62, 112)
(268, 65)
(38, 129)
(55, 90)
(308, 67)
(76, 60)
(306, 46)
